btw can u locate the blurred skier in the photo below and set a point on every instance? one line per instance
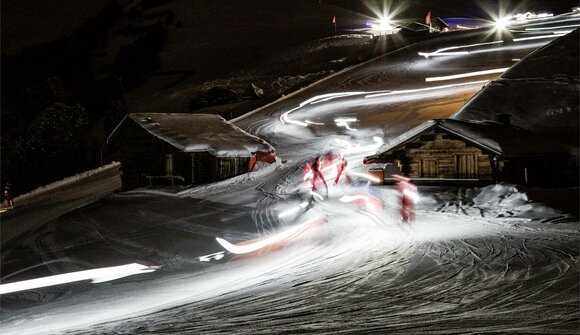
(409, 195)
(316, 168)
(341, 164)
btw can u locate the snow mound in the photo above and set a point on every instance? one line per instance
(500, 201)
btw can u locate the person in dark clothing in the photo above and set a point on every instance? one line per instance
(8, 196)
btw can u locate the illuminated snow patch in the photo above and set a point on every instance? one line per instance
(95, 275)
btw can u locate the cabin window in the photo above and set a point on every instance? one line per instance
(466, 166)
(429, 168)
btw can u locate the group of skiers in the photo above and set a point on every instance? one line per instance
(407, 190)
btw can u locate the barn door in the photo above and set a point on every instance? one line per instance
(169, 165)
(429, 168)
(466, 166)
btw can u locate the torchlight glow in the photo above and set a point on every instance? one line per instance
(95, 275)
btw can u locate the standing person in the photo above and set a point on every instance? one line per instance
(341, 164)
(8, 196)
(316, 173)
(408, 193)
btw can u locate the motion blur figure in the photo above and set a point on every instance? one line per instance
(341, 164)
(408, 193)
(316, 168)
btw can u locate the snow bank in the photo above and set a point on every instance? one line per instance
(500, 201)
(39, 194)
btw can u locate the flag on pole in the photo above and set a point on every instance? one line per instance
(428, 18)
(334, 19)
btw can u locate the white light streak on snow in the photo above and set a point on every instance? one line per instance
(312, 122)
(554, 28)
(443, 51)
(537, 37)
(343, 122)
(413, 195)
(95, 275)
(419, 90)
(366, 176)
(282, 236)
(212, 257)
(467, 74)
(368, 203)
(293, 210)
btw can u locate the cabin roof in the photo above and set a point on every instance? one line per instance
(200, 133)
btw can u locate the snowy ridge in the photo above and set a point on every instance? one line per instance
(36, 194)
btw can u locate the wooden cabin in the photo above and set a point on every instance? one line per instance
(458, 152)
(172, 148)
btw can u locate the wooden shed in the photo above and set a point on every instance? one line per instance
(173, 148)
(454, 151)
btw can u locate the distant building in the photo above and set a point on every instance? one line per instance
(170, 148)
(453, 151)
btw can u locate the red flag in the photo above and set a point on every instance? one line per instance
(428, 18)
(334, 19)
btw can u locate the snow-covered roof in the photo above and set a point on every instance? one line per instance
(490, 136)
(201, 132)
(540, 93)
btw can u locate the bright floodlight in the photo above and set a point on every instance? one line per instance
(502, 23)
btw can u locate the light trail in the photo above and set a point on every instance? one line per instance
(537, 37)
(443, 51)
(554, 28)
(467, 74)
(369, 203)
(419, 90)
(255, 246)
(95, 275)
(293, 210)
(366, 176)
(285, 117)
(212, 257)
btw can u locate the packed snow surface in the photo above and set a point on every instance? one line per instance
(476, 260)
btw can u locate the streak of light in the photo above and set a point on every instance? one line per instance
(343, 122)
(536, 37)
(293, 210)
(366, 176)
(426, 89)
(212, 257)
(411, 194)
(554, 28)
(280, 237)
(316, 195)
(312, 122)
(516, 59)
(442, 52)
(467, 74)
(369, 204)
(95, 275)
